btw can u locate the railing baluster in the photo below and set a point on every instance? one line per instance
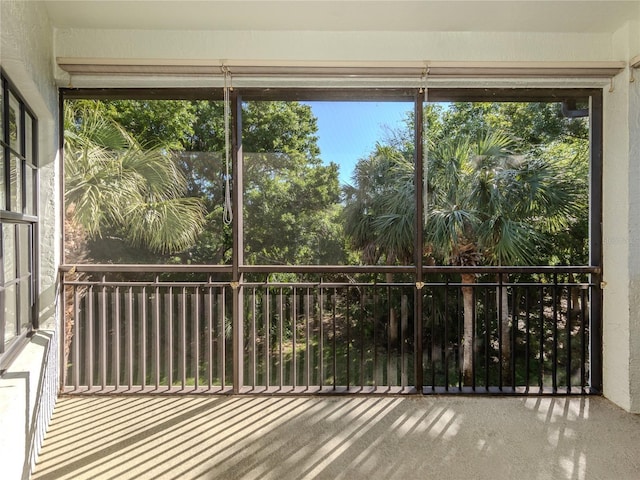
(554, 299)
(78, 323)
(102, 303)
(208, 339)
(254, 365)
(527, 345)
(487, 338)
(570, 309)
(542, 335)
(433, 340)
(195, 335)
(404, 322)
(280, 349)
(361, 346)
(129, 338)
(222, 336)
(90, 321)
(348, 321)
(143, 337)
(583, 338)
(294, 307)
(307, 350)
(183, 338)
(458, 337)
(156, 335)
(321, 376)
(170, 347)
(474, 340)
(116, 336)
(445, 341)
(514, 331)
(390, 313)
(375, 336)
(500, 342)
(267, 337)
(335, 353)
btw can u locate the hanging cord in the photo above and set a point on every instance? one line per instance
(227, 213)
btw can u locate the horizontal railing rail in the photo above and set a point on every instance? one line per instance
(171, 328)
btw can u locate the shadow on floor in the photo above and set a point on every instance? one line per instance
(244, 437)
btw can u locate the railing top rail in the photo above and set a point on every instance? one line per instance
(144, 268)
(333, 269)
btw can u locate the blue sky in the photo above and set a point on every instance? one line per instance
(348, 131)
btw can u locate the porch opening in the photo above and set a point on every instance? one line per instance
(460, 252)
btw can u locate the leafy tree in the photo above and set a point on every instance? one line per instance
(115, 185)
(379, 215)
(488, 207)
(291, 199)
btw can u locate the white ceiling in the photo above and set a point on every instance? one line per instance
(346, 15)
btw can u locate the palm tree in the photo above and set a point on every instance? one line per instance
(378, 214)
(485, 206)
(488, 207)
(112, 183)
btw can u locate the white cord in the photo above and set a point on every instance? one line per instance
(227, 213)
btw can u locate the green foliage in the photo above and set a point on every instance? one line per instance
(291, 198)
(115, 185)
(378, 213)
(519, 197)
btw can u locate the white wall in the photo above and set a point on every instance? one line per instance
(309, 45)
(634, 222)
(621, 225)
(28, 389)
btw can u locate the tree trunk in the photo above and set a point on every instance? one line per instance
(505, 337)
(392, 371)
(467, 338)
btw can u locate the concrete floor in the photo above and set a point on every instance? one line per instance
(355, 437)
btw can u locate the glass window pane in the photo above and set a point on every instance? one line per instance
(9, 251)
(326, 183)
(10, 314)
(1, 112)
(28, 130)
(15, 184)
(30, 184)
(509, 181)
(183, 140)
(24, 247)
(25, 304)
(14, 123)
(3, 188)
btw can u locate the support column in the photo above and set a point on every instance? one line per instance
(238, 244)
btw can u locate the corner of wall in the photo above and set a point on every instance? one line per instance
(30, 385)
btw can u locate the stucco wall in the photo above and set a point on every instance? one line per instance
(28, 389)
(621, 225)
(309, 45)
(634, 223)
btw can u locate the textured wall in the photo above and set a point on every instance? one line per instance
(29, 388)
(634, 223)
(621, 225)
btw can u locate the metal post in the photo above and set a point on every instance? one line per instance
(595, 236)
(419, 221)
(238, 243)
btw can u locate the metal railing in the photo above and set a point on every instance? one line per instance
(331, 329)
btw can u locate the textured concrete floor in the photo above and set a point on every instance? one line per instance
(207, 437)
